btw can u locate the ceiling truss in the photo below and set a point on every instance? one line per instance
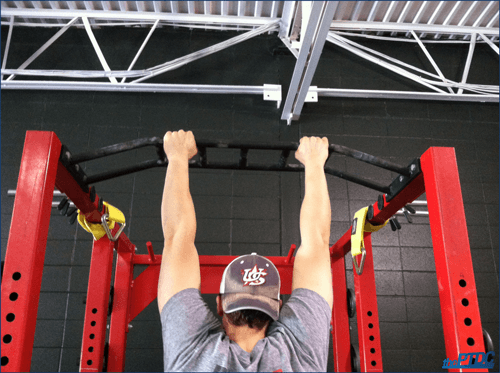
(303, 27)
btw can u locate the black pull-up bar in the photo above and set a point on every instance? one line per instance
(286, 148)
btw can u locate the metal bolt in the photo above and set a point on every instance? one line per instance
(412, 167)
(77, 167)
(401, 178)
(68, 155)
(130, 326)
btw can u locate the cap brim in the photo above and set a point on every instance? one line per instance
(243, 301)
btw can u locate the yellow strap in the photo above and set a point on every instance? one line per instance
(97, 229)
(357, 234)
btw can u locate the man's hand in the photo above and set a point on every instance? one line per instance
(312, 150)
(179, 144)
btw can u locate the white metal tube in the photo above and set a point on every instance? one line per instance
(313, 38)
(97, 48)
(485, 11)
(9, 37)
(388, 13)
(225, 8)
(55, 5)
(332, 38)
(287, 43)
(466, 16)
(492, 20)
(37, 5)
(139, 87)
(12, 193)
(433, 17)
(433, 63)
(391, 59)
(418, 202)
(44, 47)
(490, 43)
(403, 14)
(171, 65)
(417, 27)
(406, 95)
(468, 62)
(424, 213)
(356, 48)
(403, 40)
(258, 9)
(449, 17)
(286, 19)
(141, 16)
(357, 10)
(141, 48)
(419, 14)
(373, 10)
(274, 9)
(480, 18)
(20, 5)
(320, 34)
(448, 83)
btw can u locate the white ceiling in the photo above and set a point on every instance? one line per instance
(254, 13)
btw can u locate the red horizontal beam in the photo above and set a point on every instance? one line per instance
(410, 193)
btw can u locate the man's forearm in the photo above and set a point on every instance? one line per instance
(177, 208)
(315, 214)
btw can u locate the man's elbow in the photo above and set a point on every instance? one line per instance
(182, 234)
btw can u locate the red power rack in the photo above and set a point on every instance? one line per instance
(41, 171)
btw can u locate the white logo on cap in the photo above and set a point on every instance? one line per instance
(254, 276)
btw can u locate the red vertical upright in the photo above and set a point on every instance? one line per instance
(457, 287)
(22, 277)
(96, 311)
(370, 351)
(341, 338)
(120, 316)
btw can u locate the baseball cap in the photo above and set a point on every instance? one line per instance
(251, 282)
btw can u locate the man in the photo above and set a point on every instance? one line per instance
(261, 337)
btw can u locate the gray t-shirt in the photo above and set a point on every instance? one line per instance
(193, 338)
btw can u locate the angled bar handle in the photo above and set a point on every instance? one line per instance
(283, 157)
(243, 158)
(203, 156)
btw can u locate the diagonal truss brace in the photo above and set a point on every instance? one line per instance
(41, 49)
(270, 92)
(97, 48)
(479, 93)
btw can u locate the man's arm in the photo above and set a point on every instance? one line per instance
(311, 268)
(180, 265)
